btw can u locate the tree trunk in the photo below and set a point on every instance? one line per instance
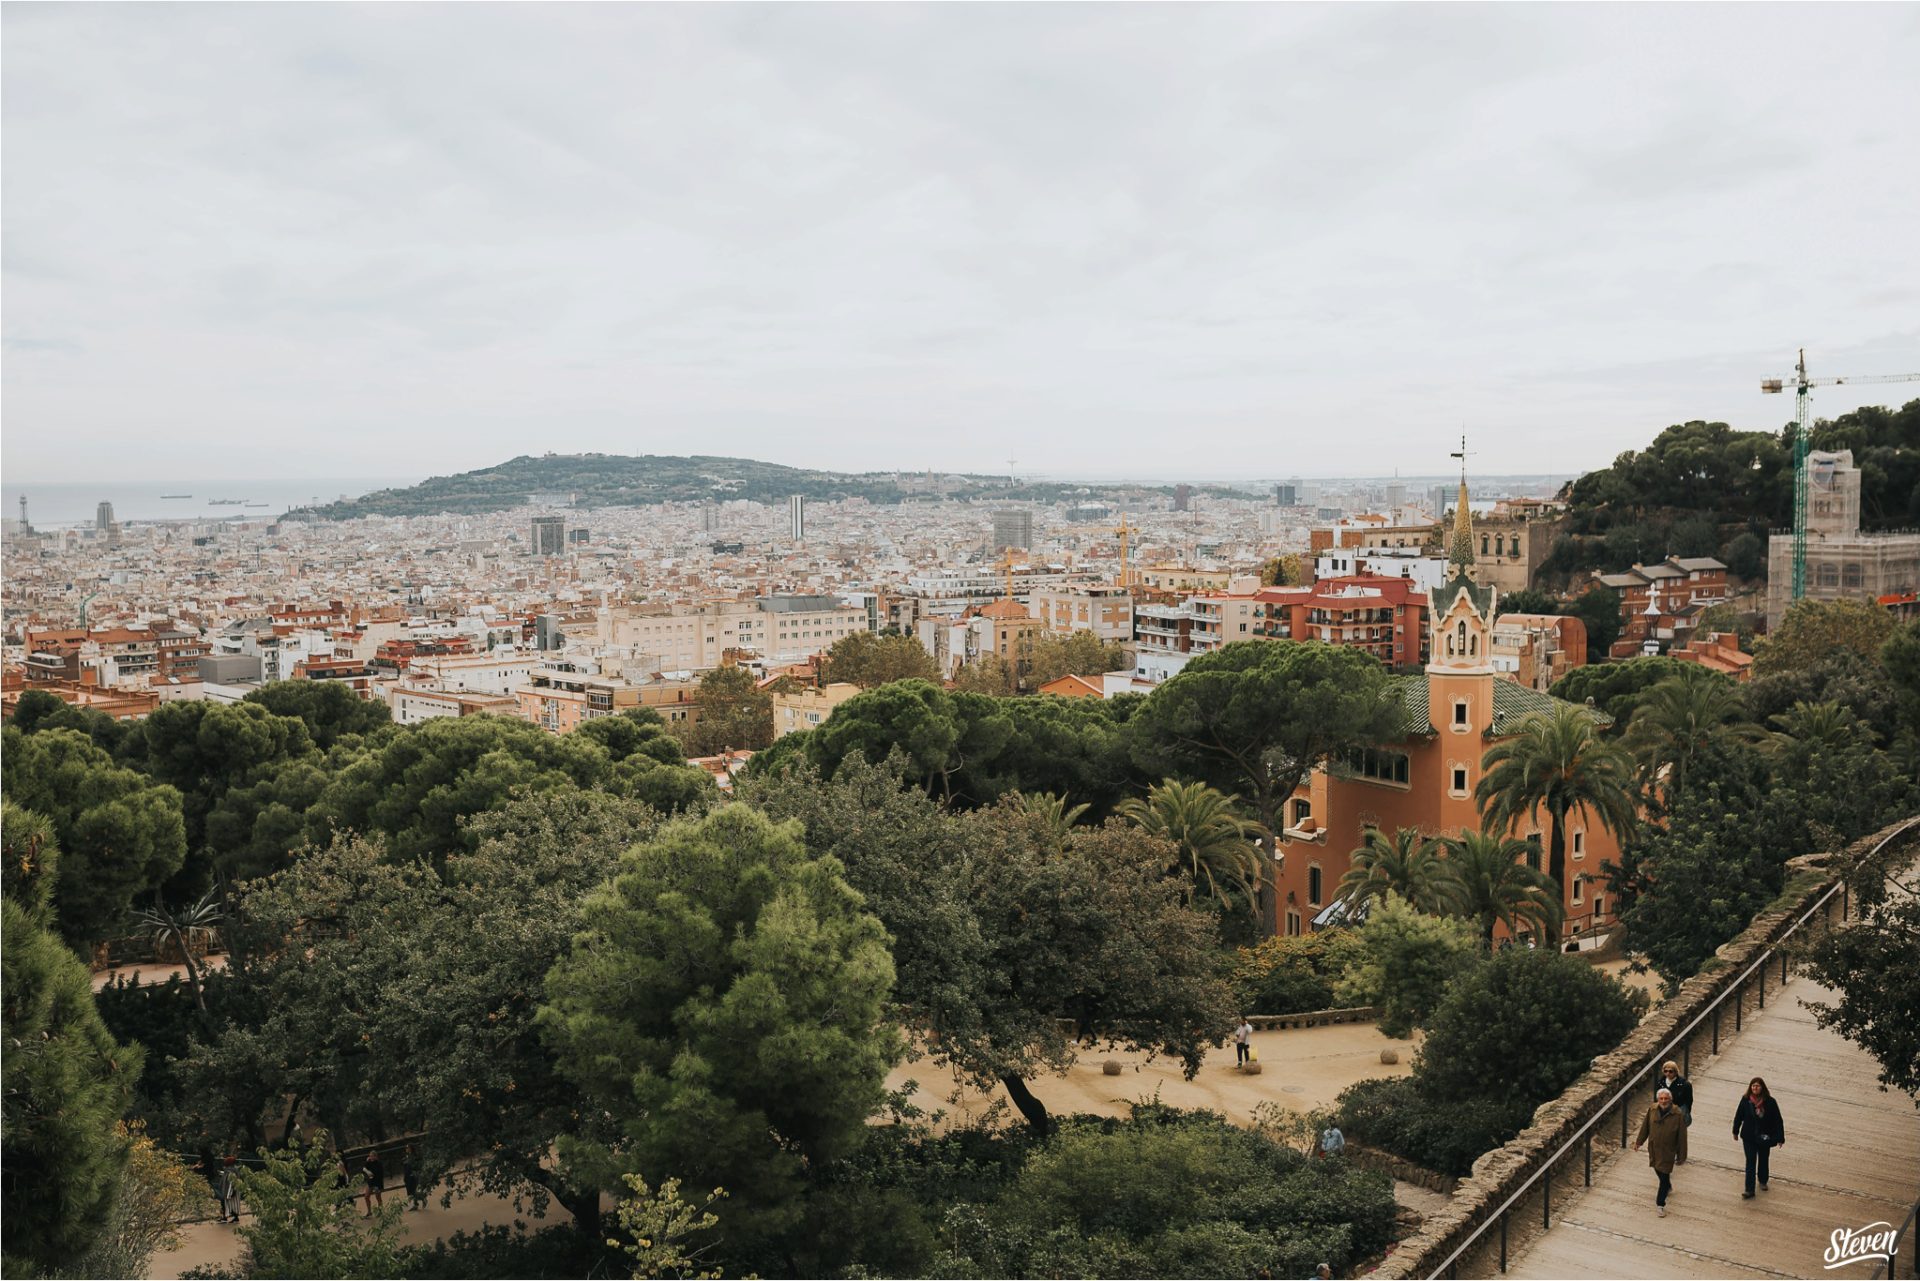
(185, 945)
(1557, 861)
(580, 1205)
(1031, 1108)
(1269, 809)
(293, 1120)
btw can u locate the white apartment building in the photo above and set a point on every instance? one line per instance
(496, 673)
(413, 705)
(1426, 572)
(1107, 612)
(691, 638)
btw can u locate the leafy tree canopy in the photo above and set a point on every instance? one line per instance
(1255, 716)
(868, 659)
(1407, 962)
(724, 1005)
(328, 709)
(120, 835)
(1814, 630)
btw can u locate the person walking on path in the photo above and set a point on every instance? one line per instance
(1664, 1130)
(375, 1173)
(1242, 1041)
(227, 1191)
(416, 1195)
(1682, 1093)
(1760, 1129)
(1332, 1142)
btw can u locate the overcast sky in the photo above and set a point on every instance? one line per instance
(266, 240)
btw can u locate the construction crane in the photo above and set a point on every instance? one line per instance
(1802, 441)
(1124, 530)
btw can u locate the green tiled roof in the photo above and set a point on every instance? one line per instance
(1410, 701)
(1512, 704)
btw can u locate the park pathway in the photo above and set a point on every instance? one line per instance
(1852, 1157)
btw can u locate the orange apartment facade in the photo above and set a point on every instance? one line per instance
(1384, 616)
(1450, 714)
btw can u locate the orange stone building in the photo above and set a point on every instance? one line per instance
(1450, 715)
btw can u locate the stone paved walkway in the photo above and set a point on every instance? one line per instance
(1852, 1157)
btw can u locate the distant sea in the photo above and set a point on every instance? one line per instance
(53, 505)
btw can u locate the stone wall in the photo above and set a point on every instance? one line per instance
(1499, 1174)
(1400, 1168)
(1313, 1018)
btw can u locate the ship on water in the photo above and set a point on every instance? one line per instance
(226, 502)
(176, 495)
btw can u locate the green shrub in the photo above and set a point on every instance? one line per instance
(1523, 1025)
(1510, 1034)
(1171, 1194)
(1393, 1114)
(494, 1251)
(1293, 974)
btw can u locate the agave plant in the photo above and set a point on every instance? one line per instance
(180, 927)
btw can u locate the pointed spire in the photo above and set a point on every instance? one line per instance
(1460, 546)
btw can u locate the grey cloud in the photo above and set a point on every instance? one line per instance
(420, 237)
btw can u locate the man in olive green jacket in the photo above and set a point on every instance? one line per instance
(1664, 1130)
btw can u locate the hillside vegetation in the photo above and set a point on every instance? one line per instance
(1704, 489)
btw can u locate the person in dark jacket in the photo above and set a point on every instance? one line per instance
(1760, 1129)
(1682, 1088)
(1664, 1130)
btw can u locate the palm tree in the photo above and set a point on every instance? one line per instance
(1558, 763)
(1680, 718)
(1496, 886)
(1827, 725)
(1408, 863)
(204, 915)
(1050, 810)
(1217, 846)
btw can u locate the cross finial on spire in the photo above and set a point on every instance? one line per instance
(1461, 453)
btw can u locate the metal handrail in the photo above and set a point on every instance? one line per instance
(1636, 1080)
(1886, 1268)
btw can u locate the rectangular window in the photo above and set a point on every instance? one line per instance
(1293, 922)
(1460, 713)
(1302, 811)
(1313, 885)
(1579, 844)
(1579, 891)
(1459, 780)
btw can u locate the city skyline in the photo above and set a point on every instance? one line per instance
(940, 237)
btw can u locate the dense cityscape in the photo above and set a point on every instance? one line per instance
(972, 642)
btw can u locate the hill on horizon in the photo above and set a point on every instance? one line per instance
(618, 480)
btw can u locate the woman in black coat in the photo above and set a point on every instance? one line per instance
(1760, 1129)
(1682, 1088)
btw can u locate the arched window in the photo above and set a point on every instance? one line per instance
(1462, 633)
(1473, 645)
(1483, 544)
(1850, 574)
(1515, 540)
(1828, 576)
